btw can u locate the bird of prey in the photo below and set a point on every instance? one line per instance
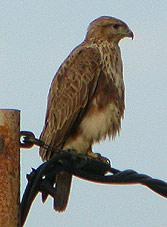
(86, 97)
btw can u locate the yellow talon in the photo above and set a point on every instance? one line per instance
(98, 156)
(93, 155)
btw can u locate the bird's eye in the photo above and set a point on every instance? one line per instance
(116, 26)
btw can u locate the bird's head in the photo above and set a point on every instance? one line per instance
(108, 28)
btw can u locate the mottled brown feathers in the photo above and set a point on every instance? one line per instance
(70, 91)
(86, 98)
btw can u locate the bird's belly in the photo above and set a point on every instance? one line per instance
(97, 124)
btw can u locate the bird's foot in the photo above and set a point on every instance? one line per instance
(98, 156)
(90, 154)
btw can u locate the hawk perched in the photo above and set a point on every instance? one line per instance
(86, 98)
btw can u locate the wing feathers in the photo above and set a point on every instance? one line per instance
(69, 94)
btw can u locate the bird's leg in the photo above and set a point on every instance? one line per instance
(97, 156)
(93, 155)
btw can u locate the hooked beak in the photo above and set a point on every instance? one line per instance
(130, 34)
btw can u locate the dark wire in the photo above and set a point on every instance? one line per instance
(42, 179)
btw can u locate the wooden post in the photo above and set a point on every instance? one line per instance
(9, 168)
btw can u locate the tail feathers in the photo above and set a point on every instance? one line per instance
(63, 184)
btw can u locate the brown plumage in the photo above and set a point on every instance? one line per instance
(86, 98)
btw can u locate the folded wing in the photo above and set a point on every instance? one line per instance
(71, 90)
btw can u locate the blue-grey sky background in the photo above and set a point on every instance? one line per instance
(35, 37)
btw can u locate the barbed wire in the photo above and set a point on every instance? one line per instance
(42, 179)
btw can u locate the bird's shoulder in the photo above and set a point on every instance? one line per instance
(83, 60)
(86, 53)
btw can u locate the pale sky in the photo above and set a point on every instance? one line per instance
(36, 36)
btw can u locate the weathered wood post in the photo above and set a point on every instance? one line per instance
(9, 167)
